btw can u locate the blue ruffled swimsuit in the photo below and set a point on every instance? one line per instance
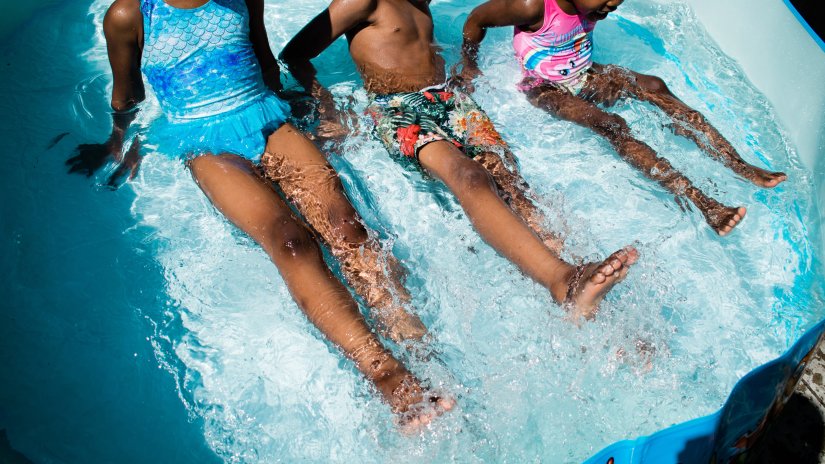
(201, 66)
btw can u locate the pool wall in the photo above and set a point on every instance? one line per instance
(783, 60)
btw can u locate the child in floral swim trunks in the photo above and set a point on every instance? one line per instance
(553, 42)
(407, 121)
(445, 133)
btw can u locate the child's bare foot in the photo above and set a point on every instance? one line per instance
(415, 407)
(723, 219)
(588, 284)
(763, 178)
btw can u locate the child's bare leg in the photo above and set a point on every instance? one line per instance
(245, 198)
(499, 226)
(514, 191)
(614, 128)
(308, 180)
(688, 122)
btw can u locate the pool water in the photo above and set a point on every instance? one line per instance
(139, 326)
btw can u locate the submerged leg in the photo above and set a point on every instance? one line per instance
(614, 128)
(248, 201)
(688, 122)
(515, 192)
(504, 230)
(308, 180)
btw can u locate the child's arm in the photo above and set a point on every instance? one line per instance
(495, 13)
(315, 37)
(123, 32)
(260, 43)
(320, 33)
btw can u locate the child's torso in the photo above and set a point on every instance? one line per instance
(560, 51)
(395, 51)
(199, 61)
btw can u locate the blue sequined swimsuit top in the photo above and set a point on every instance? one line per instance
(200, 61)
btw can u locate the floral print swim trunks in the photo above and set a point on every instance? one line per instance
(406, 122)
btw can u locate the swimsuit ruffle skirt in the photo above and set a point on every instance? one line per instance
(201, 66)
(242, 131)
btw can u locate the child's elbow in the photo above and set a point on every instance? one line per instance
(473, 26)
(120, 105)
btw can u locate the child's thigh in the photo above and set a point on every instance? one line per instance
(307, 179)
(238, 191)
(297, 165)
(290, 146)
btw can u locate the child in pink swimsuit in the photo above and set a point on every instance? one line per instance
(553, 41)
(559, 52)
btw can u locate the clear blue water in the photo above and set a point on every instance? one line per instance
(138, 326)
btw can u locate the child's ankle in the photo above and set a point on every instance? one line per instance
(560, 288)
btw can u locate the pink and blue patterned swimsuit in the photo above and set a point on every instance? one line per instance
(559, 52)
(201, 66)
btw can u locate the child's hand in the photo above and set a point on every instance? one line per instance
(464, 79)
(335, 125)
(90, 157)
(331, 125)
(127, 164)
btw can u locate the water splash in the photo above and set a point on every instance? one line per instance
(695, 314)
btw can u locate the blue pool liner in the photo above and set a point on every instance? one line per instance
(728, 434)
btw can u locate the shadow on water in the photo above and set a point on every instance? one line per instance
(9, 455)
(797, 435)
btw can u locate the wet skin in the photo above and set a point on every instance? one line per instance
(604, 86)
(392, 44)
(390, 41)
(245, 196)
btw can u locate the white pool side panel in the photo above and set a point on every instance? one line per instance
(780, 58)
(783, 61)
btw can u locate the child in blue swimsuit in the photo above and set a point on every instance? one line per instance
(210, 66)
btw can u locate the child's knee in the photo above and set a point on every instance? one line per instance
(653, 84)
(290, 240)
(346, 225)
(473, 176)
(611, 125)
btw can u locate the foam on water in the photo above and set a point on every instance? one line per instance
(529, 385)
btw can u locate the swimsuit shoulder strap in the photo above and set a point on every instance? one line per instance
(551, 9)
(147, 7)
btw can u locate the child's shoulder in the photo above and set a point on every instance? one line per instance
(123, 14)
(123, 9)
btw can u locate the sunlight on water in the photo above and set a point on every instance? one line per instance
(694, 315)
